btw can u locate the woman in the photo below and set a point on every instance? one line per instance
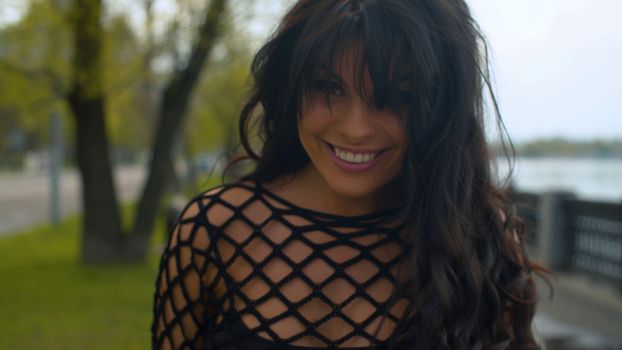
(370, 220)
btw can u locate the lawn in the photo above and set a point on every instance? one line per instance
(48, 300)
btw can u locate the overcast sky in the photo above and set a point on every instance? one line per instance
(557, 63)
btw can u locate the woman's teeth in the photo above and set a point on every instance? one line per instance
(354, 158)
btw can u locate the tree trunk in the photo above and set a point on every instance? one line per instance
(101, 228)
(173, 108)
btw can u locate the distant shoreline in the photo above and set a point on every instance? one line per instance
(566, 156)
(564, 148)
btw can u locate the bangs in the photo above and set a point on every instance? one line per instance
(365, 35)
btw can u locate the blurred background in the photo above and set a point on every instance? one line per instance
(113, 113)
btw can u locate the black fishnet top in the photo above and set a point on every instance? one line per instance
(246, 269)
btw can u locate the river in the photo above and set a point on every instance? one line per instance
(598, 179)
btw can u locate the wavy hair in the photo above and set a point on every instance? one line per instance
(474, 287)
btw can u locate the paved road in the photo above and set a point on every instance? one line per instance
(584, 314)
(24, 198)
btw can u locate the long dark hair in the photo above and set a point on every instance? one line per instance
(473, 279)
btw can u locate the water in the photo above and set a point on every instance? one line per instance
(597, 179)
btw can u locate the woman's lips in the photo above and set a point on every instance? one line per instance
(353, 167)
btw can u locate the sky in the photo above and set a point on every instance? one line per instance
(557, 64)
(11, 10)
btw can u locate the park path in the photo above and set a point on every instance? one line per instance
(24, 197)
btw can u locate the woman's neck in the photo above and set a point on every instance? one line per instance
(308, 189)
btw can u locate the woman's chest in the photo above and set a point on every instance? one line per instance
(310, 286)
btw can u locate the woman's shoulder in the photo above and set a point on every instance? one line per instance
(231, 192)
(219, 204)
(206, 215)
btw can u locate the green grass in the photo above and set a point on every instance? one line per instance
(48, 300)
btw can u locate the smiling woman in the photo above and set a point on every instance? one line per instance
(370, 220)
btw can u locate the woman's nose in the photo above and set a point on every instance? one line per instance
(357, 122)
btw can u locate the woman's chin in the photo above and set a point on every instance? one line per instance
(353, 189)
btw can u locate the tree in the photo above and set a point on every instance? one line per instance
(106, 55)
(34, 77)
(127, 115)
(33, 71)
(172, 111)
(103, 239)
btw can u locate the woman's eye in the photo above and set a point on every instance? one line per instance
(329, 87)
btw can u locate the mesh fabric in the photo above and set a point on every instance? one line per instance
(246, 269)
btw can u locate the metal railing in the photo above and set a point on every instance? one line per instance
(571, 234)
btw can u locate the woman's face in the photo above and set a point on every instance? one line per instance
(355, 147)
